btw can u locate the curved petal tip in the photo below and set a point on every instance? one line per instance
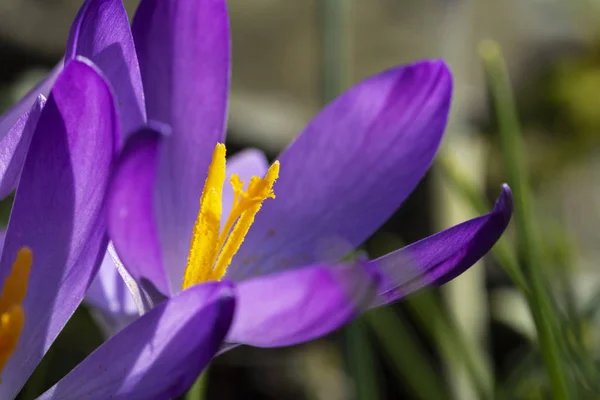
(442, 257)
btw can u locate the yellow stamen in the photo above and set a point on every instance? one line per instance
(203, 248)
(12, 316)
(211, 252)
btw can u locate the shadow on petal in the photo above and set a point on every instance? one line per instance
(160, 355)
(184, 50)
(295, 306)
(58, 211)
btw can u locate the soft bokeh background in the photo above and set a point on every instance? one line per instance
(291, 56)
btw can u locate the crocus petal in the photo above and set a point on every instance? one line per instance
(160, 355)
(351, 168)
(442, 257)
(59, 211)
(109, 293)
(300, 305)
(14, 146)
(101, 33)
(184, 52)
(131, 221)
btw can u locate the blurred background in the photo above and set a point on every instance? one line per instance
(475, 337)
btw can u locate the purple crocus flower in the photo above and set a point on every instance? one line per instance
(337, 183)
(55, 240)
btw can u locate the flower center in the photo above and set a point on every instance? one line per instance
(12, 316)
(212, 250)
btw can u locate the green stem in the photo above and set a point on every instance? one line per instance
(513, 150)
(198, 390)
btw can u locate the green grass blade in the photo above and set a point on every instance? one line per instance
(405, 354)
(441, 329)
(361, 362)
(513, 150)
